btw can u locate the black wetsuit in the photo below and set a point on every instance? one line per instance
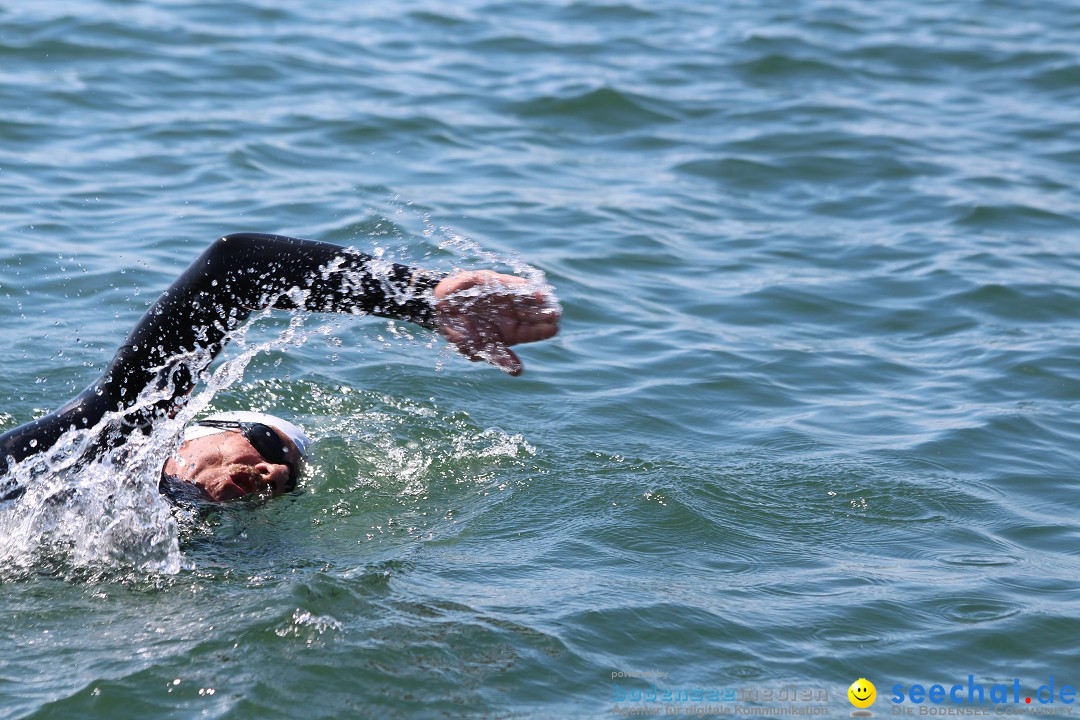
(189, 324)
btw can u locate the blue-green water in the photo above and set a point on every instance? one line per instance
(812, 415)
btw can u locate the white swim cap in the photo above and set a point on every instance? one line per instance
(293, 432)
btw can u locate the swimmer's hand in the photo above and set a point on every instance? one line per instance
(481, 313)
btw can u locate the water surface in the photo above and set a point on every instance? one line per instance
(812, 415)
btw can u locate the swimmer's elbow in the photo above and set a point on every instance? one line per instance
(253, 246)
(239, 238)
(227, 250)
(233, 243)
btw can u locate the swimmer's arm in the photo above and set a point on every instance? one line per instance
(189, 324)
(480, 313)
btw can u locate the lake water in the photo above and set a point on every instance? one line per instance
(812, 416)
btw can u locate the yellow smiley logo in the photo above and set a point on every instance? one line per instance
(862, 693)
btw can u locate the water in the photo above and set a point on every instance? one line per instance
(811, 418)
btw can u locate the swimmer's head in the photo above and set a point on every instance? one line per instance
(212, 424)
(232, 454)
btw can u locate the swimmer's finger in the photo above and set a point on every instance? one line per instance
(521, 311)
(482, 341)
(503, 358)
(455, 334)
(472, 278)
(529, 332)
(539, 314)
(466, 338)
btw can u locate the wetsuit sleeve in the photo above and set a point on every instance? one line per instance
(189, 324)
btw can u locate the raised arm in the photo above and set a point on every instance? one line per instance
(188, 325)
(480, 313)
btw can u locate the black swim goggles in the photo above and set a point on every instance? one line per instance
(265, 441)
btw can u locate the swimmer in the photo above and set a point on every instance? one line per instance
(230, 455)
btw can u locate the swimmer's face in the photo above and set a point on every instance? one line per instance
(226, 466)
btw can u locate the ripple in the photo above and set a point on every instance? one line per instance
(973, 610)
(978, 560)
(1017, 217)
(876, 623)
(740, 172)
(777, 67)
(605, 12)
(441, 19)
(1030, 303)
(604, 108)
(1065, 77)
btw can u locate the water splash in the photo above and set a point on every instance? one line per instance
(87, 510)
(92, 501)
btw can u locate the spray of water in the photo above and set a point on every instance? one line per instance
(92, 511)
